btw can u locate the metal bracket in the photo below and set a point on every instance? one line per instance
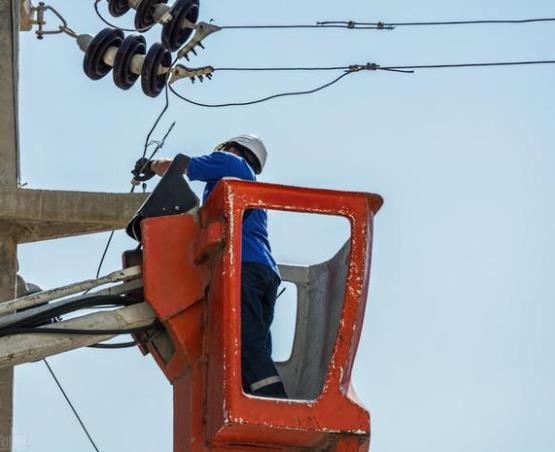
(40, 11)
(202, 31)
(42, 297)
(180, 71)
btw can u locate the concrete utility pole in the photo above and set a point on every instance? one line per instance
(34, 215)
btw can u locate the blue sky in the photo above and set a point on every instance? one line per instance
(457, 352)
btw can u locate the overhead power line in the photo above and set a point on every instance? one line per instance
(348, 71)
(393, 25)
(264, 99)
(71, 406)
(348, 24)
(77, 331)
(373, 66)
(383, 25)
(321, 25)
(148, 143)
(469, 65)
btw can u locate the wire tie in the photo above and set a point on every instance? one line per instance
(364, 67)
(351, 25)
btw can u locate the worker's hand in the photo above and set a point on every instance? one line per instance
(143, 170)
(160, 166)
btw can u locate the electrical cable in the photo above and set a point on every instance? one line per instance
(354, 25)
(76, 331)
(265, 99)
(71, 405)
(320, 25)
(372, 66)
(392, 25)
(278, 69)
(463, 65)
(352, 68)
(348, 70)
(119, 345)
(47, 313)
(281, 292)
(108, 243)
(237, 27)
(147, 337)
(147, 144)
(349, 24)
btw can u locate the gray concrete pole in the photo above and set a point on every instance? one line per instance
(8, 263)
(9, 43)
(9, 175)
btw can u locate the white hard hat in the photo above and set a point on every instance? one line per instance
(253, 144)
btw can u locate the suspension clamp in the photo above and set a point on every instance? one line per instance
(202, 31)
(180, 71)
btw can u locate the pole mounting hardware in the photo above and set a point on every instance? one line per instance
(40, 21)
(180, 71)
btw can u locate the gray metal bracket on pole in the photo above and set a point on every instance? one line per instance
(64, 291)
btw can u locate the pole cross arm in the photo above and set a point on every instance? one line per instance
(33, 215)
(26, 348)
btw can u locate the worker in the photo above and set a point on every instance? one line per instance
(244, 157)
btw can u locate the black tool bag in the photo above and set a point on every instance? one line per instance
(172, 196)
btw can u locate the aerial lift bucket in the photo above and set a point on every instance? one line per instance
(191, 273)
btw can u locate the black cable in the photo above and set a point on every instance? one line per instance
(71, 406)
(354, 25)
(277, 69)
(348, 24)
(147, 143)
(439, 23)
(282, 291)
(463, 65)
(76, 331)
(158, 119)
(145, 337)
(320, 25)
(56, 310)
(108, 243)
(373, 66)
(119, 345)
(239, 27)
(352, 68)
(265, 99)
(348, 70)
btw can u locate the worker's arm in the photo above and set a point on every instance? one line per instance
(208, 168)
(146, 169)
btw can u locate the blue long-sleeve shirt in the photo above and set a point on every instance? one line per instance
(211, 169)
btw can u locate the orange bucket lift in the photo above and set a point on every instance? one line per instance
(191, 275)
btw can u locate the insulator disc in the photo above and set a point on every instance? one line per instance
(152, 81)
(174, 35)
(144, 17)
(118, 8)
(131, 46)
(93, 63)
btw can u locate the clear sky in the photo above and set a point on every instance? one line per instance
(458, 348)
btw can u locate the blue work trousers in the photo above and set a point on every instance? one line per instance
(259, 286)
